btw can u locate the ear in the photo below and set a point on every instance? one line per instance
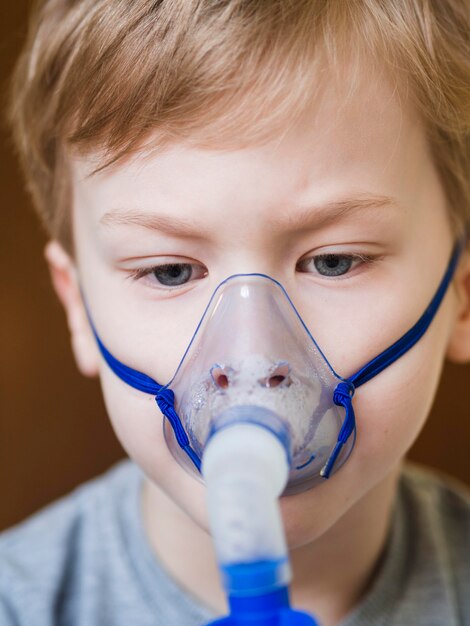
(458, 349)
(64, 278)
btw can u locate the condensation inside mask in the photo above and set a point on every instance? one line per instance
(251, 350)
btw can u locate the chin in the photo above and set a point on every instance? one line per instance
(307, 516)
(312, 513)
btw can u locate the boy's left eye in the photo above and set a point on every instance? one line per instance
(332, 265)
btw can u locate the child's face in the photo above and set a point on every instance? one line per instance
(353, 177)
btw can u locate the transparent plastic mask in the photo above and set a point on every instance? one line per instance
(251, 350)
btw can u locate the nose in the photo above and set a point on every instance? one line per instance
(278, 374)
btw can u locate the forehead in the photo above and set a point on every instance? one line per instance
(357, 129)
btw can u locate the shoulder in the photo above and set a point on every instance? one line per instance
(59, 524)
(437, 508)
(436, 500)
(424, 572)
(49, 552)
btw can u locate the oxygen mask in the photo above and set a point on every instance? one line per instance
(252, 359)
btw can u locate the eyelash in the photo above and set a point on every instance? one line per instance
(362, 259)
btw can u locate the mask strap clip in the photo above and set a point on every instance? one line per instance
(342, 396)
(165, 399)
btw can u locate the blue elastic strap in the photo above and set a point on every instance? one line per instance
(132, 377)
(345, 390)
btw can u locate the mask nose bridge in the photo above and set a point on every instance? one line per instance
(263, 299)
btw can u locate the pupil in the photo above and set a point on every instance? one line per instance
(174, 271)
(332, 261)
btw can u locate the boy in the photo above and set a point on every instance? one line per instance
(169, 145)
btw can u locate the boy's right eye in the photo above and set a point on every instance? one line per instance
(171, 274)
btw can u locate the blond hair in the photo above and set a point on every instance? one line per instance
(104, 74)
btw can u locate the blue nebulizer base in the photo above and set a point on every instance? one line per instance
(270, 609)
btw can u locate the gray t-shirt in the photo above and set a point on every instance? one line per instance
(85, 561)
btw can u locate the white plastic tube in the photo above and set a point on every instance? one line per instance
(246, 469)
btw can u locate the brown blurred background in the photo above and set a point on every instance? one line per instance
(54, 433)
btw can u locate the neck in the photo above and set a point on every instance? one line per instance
(345, 556)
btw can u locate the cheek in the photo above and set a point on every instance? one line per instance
(137, 422)
(392, 408)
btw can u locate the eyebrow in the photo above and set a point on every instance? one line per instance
(321, 216)
(169, 224)
(310, 217)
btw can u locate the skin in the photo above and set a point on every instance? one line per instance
(349, 144)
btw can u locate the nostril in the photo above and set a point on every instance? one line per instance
(277, 376)
(220, 377)
(275, 381)
(221, 381)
